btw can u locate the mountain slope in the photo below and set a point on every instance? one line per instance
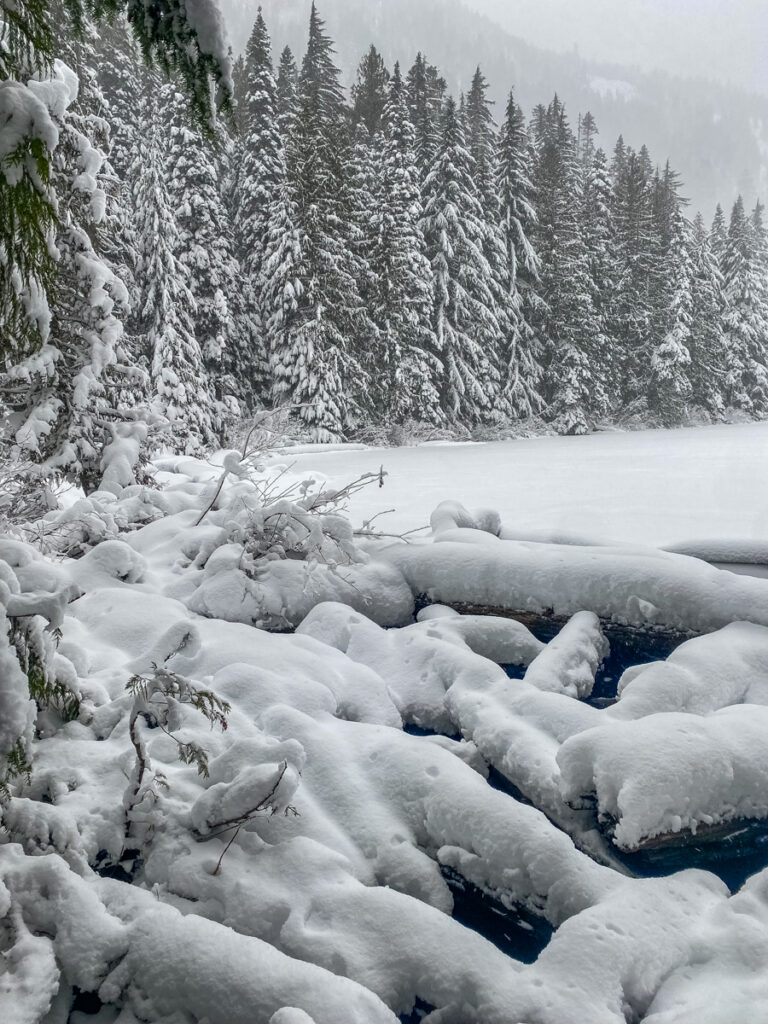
(717, 137)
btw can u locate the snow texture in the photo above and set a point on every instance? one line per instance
(310, 855)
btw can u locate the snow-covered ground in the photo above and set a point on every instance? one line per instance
(304, 864)
(653, 487)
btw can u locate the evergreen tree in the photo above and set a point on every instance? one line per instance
(522, 374)
(205, 253)
(118, 72)
(287, 89)
(59, 298)
(320, 370)
(239, 95)
(637, 266)
(586, 146)
(405, 355)
(62, 425)
(669, 388)
(361, 214)
(482, 143)
(369, 93)
(282, 294)
(569, 325)
(744, 321)
(598, 233)
(464, 319)
(260, 178)
(719, 234)
(706, 344)
(425, 91)
(179, 384)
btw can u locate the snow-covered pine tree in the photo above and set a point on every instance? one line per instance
(597, 230)
(760, 248)
(62, 421)
(282, 293)
(465, 318)
(718, 236)
(28, 136)
(586, 144)
(744, 320)
(28, 96)
(706, 344)
(669, 385)
(118, 71)
(239, 95)
(286, 92)
(570, 328)
(482, 143)
(408, 369)
(425, 91)
(359, 214)
(205, 252)
(317, 366)
(619, 160)
(180, 389)
(260, 177)
(636, 252)
(522, 371)
(369, 93)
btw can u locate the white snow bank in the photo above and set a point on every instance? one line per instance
(503, 641)
(569, 662)
(702, 675)
(671, 772)
(636, 587)
(724, 552)
(285, 592)
(118, 940)
(726, 981)
(437, 682)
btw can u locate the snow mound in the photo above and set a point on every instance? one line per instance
(638, 587)
(671, 772)
(701, 676)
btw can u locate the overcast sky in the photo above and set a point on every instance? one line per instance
(722, 39)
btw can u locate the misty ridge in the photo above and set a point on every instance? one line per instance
(715, 134)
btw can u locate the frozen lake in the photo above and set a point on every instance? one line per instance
(649, 487)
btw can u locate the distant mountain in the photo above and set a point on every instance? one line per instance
(715, 136)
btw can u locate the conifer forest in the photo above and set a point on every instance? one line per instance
(380, 262)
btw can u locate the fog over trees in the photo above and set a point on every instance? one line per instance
(715, 134)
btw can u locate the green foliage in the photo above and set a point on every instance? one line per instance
(168, 40)
(45, 691)
(16, 766)
(27, 201)
(27, 216)
(163, 688)
(26, 36)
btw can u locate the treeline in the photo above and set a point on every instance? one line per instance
(397, 258)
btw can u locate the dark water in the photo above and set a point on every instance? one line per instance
(417, 1014)
(629, 647)
(517, 933)
(734, 859)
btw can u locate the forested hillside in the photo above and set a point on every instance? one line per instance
(715, 135)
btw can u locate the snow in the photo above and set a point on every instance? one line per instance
(310, 853)
(616, 88)
(657, 487)
(668, 772)
(635, 586)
